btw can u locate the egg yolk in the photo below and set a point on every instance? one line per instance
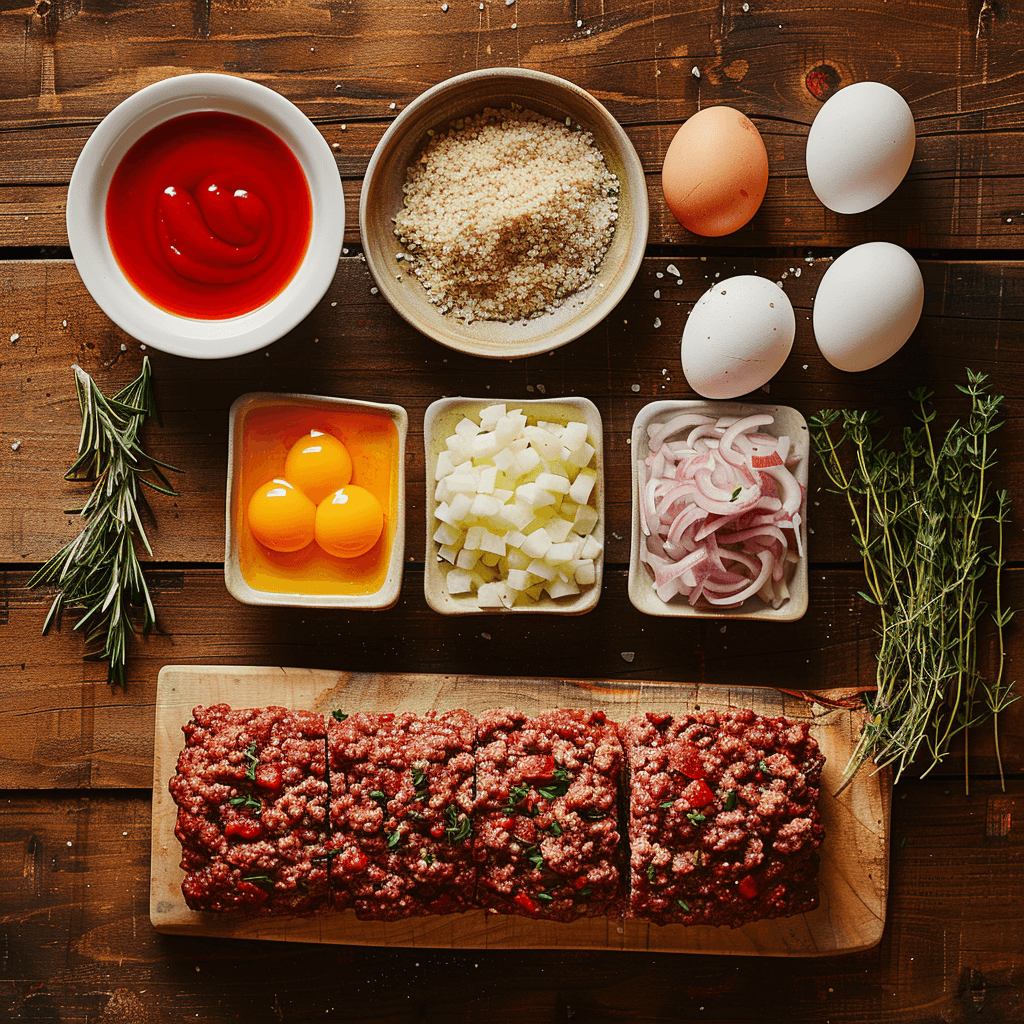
(281, 517)
(349, 522)
(318, 464)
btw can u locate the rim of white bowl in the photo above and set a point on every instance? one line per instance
(596, 311)
(114, 293)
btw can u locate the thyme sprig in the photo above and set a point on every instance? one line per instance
(921, 512)
(99, 571)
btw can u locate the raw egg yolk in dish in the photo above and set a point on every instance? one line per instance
(318, 464)
(281, 517)
(349, 522)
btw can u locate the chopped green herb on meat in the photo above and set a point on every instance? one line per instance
(253, 758)
(516, 795)
(695, 818)
(419, 781)
(730, 800)
(380, 798)
(250, 803)
(338, 716)
(458, 826)
(557, 788)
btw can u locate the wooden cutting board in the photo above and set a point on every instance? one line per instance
(854, 856)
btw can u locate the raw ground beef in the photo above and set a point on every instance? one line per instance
(400, 815)
(546, 817)
(723, 818)
(252, 810)
(401, 796)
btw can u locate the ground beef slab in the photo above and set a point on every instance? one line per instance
(251, 791)
(545, 818)
(723, 819)
(402, 790)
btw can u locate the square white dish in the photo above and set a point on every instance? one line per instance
(788, 421)
(439, 422)
(373, 418)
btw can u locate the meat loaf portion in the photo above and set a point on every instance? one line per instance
(251, 791)
(545, 818)
(401, 797)
(723, 818)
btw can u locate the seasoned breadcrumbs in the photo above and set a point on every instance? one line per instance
(507, 214)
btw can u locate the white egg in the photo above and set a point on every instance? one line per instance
(860, 147)
(867, 305)
(737, 337)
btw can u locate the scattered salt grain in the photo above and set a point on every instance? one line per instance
(444, 8)
(14, 338)
(391, 106)
(695, 71)
(124, 347)
(634, 387)
(373, 291)
(657, 322)
(63, 323)
(657, 292)
(15, 446)
(672, 269)
(628, 655)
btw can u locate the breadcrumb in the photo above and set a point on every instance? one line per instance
(507, 214)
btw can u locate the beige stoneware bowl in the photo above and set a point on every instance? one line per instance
(641, 593)
(382, 197)
(438, 423)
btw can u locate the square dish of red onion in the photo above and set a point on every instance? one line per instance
(719, 511)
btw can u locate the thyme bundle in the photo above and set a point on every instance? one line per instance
(99, 571)
(922, 514)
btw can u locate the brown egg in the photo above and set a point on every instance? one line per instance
(715, 172)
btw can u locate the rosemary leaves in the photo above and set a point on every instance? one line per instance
(930, 531)
(99, 571)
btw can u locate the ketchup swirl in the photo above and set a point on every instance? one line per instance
(209, 215)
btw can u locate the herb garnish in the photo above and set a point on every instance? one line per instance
(419, 781)
(516, 795)
(730, 800)
(762, 766)
(394, 838)
(250, 803)
(919, 512)
(253, 758)
(458, 826)
(535, 857)
(587, 891)
(736, 493)
(666, 804)
(426, 856)
(695, 817)
(545, 896)
(379, 797)
(99, 571)
(557, 788)
(261, 880)
(555, 829)
(338, 716)
(684, 905)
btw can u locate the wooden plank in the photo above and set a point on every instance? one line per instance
(355, 346)
(854, 857)
(75, 914)
(86, 734)
(62, 72)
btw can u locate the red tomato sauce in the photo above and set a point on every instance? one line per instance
(209, 215)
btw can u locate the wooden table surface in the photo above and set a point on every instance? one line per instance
(76, 943)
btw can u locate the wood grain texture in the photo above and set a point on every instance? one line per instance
(62, 726)
(955, 64)
(353, 345)
(78, 944)
(853, 879)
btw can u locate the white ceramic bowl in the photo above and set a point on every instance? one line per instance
(789, 422)
(87, 195)
(269, 423)
(382, 198)
(438, 423)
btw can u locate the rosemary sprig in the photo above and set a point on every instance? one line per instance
(920, 513)
(99, 571)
